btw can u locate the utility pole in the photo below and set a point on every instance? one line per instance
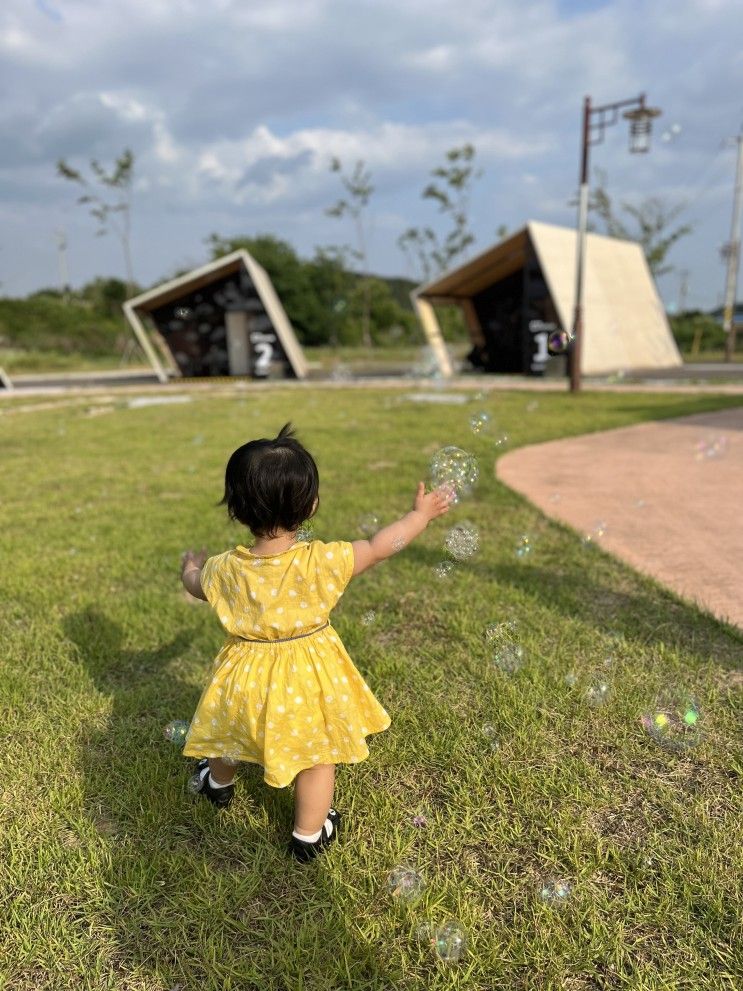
(733, 258)
(64, 275)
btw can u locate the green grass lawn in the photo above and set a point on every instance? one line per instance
(111, 877)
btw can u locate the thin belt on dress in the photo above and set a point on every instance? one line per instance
(299, 636)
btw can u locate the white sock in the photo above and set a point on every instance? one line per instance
(217, 784)
(328, 827)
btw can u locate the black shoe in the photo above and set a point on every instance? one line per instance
(199, 785)
(303, 851)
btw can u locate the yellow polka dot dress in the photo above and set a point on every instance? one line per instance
(283, 691)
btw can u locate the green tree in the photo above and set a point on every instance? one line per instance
(111, 209)
(358, 189)
(651, 223)
(290, 277)
(106, 296)
(429, 252)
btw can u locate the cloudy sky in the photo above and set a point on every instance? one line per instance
(234, 109)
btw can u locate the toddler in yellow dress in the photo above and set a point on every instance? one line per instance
(283, 692)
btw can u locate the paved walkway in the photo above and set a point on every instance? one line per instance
(670, 493)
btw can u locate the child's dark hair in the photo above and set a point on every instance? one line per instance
(271, 485)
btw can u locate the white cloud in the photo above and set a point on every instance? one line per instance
(234, 109)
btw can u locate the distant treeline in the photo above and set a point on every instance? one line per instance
(322, 299)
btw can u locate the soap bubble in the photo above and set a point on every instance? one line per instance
(598, 531)
(455, 467)
(405, 884)
(341, 372)
(509, 658)
(480, 422)
(369, 617)
(523, 545)
(368, 524)
(176, 731)
(674, 722)
(182, 312)
(463, 540)
(449, 942)
(557, 342)
(571, 679)
(532, 407)
(444, 569)
(598, 690)
(554, 892)
(507, 652)
(198, 440)
(496, 632)
(712, 447)
(398, 543)
(194, 783)
(501, 440)
(306, 531)
(491, 735)
(427, 365)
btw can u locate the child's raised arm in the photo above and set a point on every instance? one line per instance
(426, 507)
(191, 564)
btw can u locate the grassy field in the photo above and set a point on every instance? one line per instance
(112, 877)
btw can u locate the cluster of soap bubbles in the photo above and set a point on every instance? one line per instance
(506, 652)
(463, 540)
(553, 892)
(368, 524)
(406, 886)
(670, 133)
(712, 447)
(456, 470)
(175, 731)
(368, 618)
(674, 722)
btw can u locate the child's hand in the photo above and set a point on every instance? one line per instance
(193, 559)
(432, 504)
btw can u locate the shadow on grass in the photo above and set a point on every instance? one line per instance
(639, 611)
(178, 877)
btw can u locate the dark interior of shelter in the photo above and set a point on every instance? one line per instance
(195, 328)
(516, 315)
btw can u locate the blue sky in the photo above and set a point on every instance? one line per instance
(234, 109)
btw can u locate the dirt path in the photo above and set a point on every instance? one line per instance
(670, 493)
